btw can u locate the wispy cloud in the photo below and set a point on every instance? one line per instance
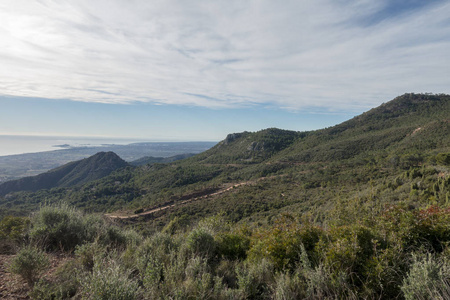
(293, 54)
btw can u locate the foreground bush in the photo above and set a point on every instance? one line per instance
(373, 258)
(63, 227)
(427, 279)
(60, 226)
(29, 263)
(108, 281)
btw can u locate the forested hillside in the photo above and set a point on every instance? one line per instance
(278, 170)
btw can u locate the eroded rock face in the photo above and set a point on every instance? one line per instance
(232, 137)
(256, 146)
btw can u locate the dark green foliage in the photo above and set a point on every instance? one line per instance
(13, 228)
(282, 243)
(443, 158)
(201, 242)
(29, 263)
(232, 245)
(151, 160)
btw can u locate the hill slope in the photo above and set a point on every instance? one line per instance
(383, 156)
(73, 173)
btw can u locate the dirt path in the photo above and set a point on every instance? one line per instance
(165, 207)
(186, 201)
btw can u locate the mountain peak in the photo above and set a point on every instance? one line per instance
(94, 167)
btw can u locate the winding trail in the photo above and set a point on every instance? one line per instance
(177, 203)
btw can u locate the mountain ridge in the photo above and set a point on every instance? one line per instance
(302, 170)
(70, 174)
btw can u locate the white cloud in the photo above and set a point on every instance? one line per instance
(293, 54)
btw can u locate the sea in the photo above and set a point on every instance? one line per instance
(20, 144)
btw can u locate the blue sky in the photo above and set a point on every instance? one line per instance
(197, 70)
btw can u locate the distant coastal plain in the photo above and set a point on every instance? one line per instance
(20, 144)
(23, 156)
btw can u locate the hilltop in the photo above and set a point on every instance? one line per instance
(73, 173)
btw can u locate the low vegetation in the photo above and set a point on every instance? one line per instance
(398, 253)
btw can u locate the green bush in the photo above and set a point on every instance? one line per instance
(427, 279)
(159, 247)
(233, 246)
(443, 158)
(13, 228)
(347, 253)
(201, 242)
(255, 279)
(64, 285)
(87, 253)
(108, 281)
(12, 233)
(60, 226)
(29, 263)
(282, 243)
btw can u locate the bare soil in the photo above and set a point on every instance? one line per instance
(14, 287)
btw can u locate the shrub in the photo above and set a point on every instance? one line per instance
(63, 286)
(426, 279)
(12, 233)
(87, 253)
(348, 252)
(108, 281)
(443, 158)
(289, 287)
(29, 263)
(201, 242)
(59, 226)
(13, 227)
(157, 247)
(233, 246)
(153, 274)
(282, 243)
(255, 279)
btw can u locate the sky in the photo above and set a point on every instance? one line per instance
(200, 69)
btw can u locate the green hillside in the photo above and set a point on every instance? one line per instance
(367, 157)
(360, 210)
(151, 159)
(73, 173)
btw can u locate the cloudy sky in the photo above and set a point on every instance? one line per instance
(197, 70)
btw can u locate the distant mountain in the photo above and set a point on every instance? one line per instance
(162, 160)
(73, 173)
(31, 164)
(249, 147)
(395, 152)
